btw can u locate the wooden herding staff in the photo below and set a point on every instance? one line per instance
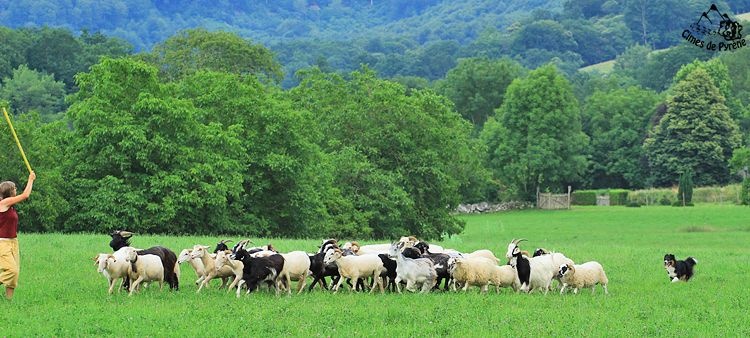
(18, 143)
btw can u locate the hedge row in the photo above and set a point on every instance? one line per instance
(588, 197)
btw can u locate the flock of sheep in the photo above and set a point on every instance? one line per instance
(422, 267)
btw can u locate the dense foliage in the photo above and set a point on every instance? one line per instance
(412, 109)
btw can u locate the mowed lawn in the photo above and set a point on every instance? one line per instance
(61, 294)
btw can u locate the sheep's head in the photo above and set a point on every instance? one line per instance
(540, 251)
(131, 255)
(408, 241)
(513, 249)
(453, 262)
(332, 255)
(411, 252)
(102, 260)
(120, 239)
(221, 259)
(184, 256)
(423, 247)
(565, 269)
(222, 245)
(395, 249)
(354, 247)
(199, 251)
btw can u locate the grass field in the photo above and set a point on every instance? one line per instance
(61, 294)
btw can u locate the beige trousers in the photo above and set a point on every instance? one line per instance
(10, 262)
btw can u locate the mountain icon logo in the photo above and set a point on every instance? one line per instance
(713, 22)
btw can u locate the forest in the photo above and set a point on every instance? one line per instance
(366, 119)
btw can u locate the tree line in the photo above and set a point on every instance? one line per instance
(198, 136)
(421, 38)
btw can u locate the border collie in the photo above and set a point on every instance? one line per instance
(679, 270)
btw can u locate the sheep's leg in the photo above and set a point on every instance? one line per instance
(338, 284)
(466, 286)
(134, 285)
(605, 289)
(111, 284)
(575, 291)
(199, 280)
(563, 288)
(234, 283)
(398, 283)
(239, 287)
(301, 283)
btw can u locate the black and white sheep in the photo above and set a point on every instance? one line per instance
(259, 269)
(533, 273)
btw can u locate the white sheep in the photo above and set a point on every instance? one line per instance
(223, 260)
(483, 253)
(196, 263)
(583, 276)
(370, 249)
(504, 276)
(143, 268)
(112, 269)
(477, 271)
(296, 268)
(413, 270)
(355, 267)
(558, 259)
(209, 264)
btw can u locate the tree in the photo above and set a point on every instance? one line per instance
(140, 159)
(29, 90)
(408, 156)
(630, 62)
(477, 86)
(285, 177)
(55, 51)
(719, 74)
(696, 132)
(617, 121)
(535, 138)
(685, 190)
(45, 146)
(190, 50)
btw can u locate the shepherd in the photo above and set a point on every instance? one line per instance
(10, 259)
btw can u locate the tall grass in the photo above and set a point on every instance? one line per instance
(729, 194)
(60, 293)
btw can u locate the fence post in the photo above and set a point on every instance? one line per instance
(538, 205)
(568, 197)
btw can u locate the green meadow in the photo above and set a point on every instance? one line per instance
(61, 294)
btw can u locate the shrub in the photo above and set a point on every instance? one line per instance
(633, 205)
(618, 197)
(745, 192)
(665, 200)
(584, 197)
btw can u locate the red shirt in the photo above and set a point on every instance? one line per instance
(8, 223)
